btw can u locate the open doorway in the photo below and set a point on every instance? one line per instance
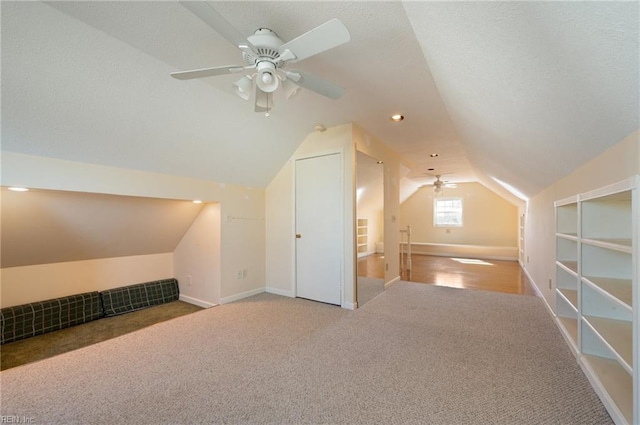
(369, 227)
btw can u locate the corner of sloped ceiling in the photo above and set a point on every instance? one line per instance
(493, 185)
(535, 89)
(46, 226)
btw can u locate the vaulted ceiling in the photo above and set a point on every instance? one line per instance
(521, 91)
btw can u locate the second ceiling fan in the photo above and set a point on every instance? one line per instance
(268, 55)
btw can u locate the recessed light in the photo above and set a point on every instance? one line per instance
(197, 201)
(397, 118)
(434, 155)
(320, 128)
(430, 169)
(18, 189)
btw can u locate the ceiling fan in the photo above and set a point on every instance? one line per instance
(267, 56)
(438, 184)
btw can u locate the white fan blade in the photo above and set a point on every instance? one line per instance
(327, 36)
(316, 84)
(207, 72)
(211, 17)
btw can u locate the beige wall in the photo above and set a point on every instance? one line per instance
(26, 284)
(52, 226)
(196, 259)
(280, 214)
(280, 210)
(241, 211)
(616, 164)
(488, 219)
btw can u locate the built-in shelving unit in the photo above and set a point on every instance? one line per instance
(363, 237)
(567, 269)
(597, 293)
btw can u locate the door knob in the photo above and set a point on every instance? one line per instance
(298, 235)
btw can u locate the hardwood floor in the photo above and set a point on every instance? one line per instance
(469, 273)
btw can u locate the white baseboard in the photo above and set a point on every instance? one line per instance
(539, 294)
(349, 306)
(392, 282)
(195, 301)
(241, 295)
(278, 291)
(485, 252)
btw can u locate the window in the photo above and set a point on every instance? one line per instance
(447, 212)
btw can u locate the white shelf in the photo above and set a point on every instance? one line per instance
(620, 289)
(570, 295)
(567, 216)
(597, 293)
(568, 236)
(619, 336)
(605, 262)
(616, 383)
(362, 237)
(569, 327)
(570, 266)
(622, 245)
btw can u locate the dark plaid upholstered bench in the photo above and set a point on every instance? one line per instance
(27, 320)
(135, 297)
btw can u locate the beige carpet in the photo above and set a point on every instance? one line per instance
(416, 354)
(53, 343)
(368, 288)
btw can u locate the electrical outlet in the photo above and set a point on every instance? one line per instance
(244, 273)
(527, 258)
(189, 280)
(386, 267)
(549, 283)
(239, 274)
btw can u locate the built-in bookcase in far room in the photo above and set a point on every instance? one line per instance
(597, 293)
(363, 237)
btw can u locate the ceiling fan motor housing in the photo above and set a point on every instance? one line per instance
(267, 44)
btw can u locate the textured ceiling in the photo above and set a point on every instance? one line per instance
(521, 91)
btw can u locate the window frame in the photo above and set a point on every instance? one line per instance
(435, 211)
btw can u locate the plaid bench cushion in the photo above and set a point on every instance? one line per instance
(32, 319)
(135, 297)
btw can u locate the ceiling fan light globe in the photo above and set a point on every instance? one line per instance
(243, 87)
(267, 79)
(290, 88)
(267, 82)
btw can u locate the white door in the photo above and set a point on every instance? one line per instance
(319, 228)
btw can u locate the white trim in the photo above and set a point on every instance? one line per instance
(392, 282)
(241, 295)
(435, 211)
(325, 152)
(621, 186)
(281, 292)
(350, 306)
(539, 294)
(485, 252)
(196, 301)
(609, 404)
(566, 201)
